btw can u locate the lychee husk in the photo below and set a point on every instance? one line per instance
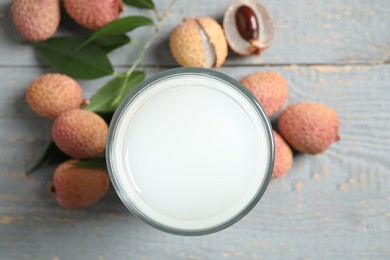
(309, 127)
(283, 157)
(93, 14)
(52, 94)
(81, 134)
(189, 49)
(270, 88)
(216, 37)
(242, 46)
(76, 187)
(36, 20)
(186, 44)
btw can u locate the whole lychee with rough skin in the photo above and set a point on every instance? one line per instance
(199, 42)
(52, 94)
(309, 127)
(93, 14)
(36, 20)
(270, 88)
(80, 133)
(77, 187)
(283, 157)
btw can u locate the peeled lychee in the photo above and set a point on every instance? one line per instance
(80, 133)
(77, 187)
(93, 14)
(52, 94)
(309, 127)
(199, 42)
(270, 89)
(251, 31)
(36, 20)
(283, 157)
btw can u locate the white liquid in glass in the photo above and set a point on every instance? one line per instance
(190, 152)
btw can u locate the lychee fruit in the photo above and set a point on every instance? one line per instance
(309, 127)
(249, 27)
(93, 14)
(77, 187)
(199, 42)
(80, 133)
(36, 20)
(270, 88)
(52, 94)
(283, 157)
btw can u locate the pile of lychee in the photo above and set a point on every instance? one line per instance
(79, 133)
(38, 20)
(248, 29)
(308, 127)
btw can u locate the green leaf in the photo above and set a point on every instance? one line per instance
(111, 43)
(94, 163)
(87, 63)
(106, 116)
(147, 4)
(104, 101)
(52, 155)
(118, 26)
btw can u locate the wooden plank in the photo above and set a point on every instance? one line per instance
(308, 32)
(331, 206)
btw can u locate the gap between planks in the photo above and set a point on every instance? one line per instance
(169, 66)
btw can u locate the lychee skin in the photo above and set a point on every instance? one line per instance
(36, 20)
(187, 46)
(81, 134)
(76, 187)
(283, 157)
(52, 94)
(217, 37)
(270, 88)
(309, 127)
(93, 14)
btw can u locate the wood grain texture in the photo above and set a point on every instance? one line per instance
(331, 206)
(308, 32)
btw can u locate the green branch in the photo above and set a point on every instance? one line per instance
(151, 39)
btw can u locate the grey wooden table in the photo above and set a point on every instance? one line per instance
(331, 206)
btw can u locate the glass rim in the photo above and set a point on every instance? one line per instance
(202, 72)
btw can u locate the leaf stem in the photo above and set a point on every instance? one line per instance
(156, 14)
(145, 48)
(137, 44)
(152, 37)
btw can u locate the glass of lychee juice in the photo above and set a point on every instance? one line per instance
(190, 151)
